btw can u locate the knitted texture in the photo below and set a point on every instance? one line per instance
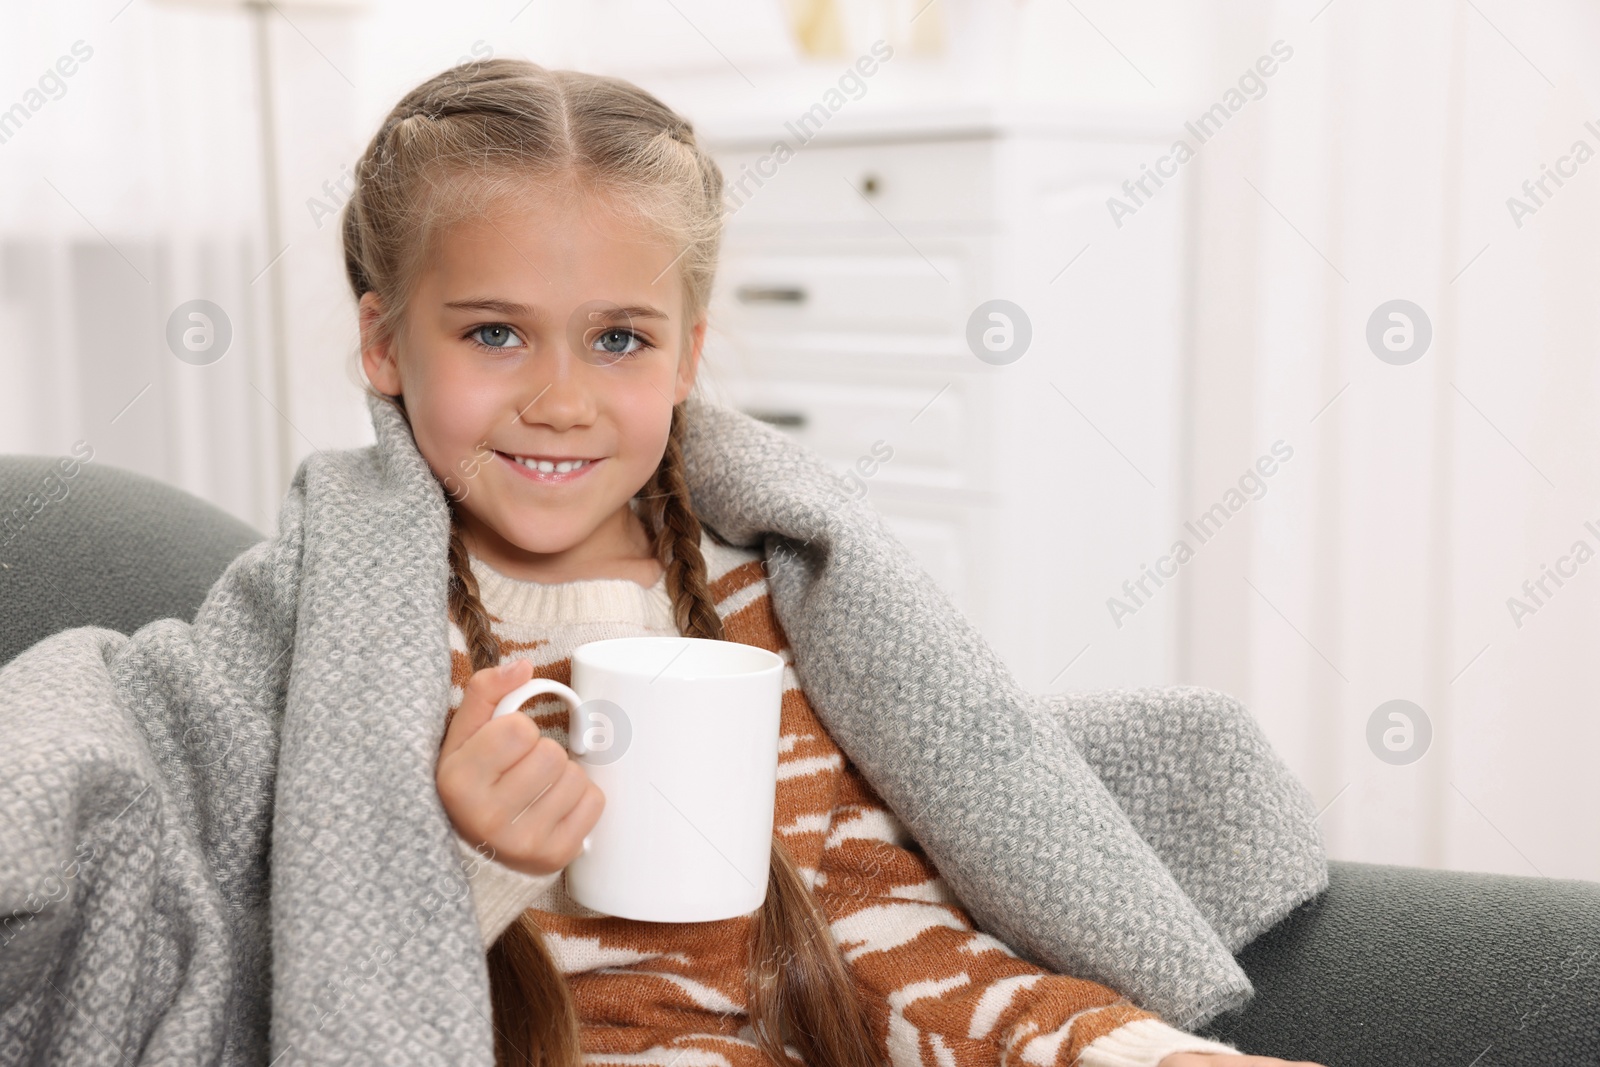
(987, 776)
(223, 840)
(938, 991)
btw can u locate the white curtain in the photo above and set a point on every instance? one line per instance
(130, 187)
(133, 185)
(1420, 498)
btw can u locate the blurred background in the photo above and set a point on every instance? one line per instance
(1247, 344)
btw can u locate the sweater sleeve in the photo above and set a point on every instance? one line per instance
(940, 990)
(499, 893)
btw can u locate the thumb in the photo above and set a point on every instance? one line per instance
(483, 691)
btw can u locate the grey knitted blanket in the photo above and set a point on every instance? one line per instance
(220, 841)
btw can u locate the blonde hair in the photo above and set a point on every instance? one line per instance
(480, 134)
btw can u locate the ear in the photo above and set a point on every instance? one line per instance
(689, 365)
(377, 354)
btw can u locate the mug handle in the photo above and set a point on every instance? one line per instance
(534, 687)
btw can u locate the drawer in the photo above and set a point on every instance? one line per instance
(843, 292)
(875, 187)
(920, 435)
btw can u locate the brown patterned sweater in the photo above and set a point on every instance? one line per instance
(940, 992)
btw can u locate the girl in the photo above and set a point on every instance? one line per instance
(532, 252)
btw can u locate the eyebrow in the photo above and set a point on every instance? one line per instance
(499, 307)
(513, 309)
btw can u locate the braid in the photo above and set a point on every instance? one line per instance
(466, 609)
(676, 530)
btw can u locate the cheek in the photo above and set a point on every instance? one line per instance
(447, 418)
(643, 424)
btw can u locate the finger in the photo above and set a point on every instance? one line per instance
(560, 844)
(482, 692)
(502, 744)
(576, 824)
(533, 796)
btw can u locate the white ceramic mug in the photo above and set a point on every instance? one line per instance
(681, 735)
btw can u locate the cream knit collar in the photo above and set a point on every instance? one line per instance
(586, 600)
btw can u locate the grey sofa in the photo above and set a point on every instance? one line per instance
(1390, 966)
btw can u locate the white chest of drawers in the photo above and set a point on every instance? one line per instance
(1031, 489)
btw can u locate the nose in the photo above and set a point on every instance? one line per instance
(561, 394)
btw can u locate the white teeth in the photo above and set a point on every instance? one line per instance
(544, 466)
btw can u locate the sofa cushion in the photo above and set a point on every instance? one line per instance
(1408, 965)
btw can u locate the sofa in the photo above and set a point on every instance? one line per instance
(1390, 966)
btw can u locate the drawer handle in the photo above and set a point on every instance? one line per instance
(796, 419)
(771, 294)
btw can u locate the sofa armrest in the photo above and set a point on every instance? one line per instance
(1406, 965)
(102, 546)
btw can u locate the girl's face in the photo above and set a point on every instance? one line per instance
(550, 331)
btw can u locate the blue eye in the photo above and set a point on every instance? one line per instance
(500, 335)
(617, 342)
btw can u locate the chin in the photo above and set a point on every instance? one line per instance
(547, 534)
(549, 540)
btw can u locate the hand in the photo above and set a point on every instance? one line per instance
(506, 785)
(1222, 1059)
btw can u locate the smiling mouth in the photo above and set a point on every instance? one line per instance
(550, 468)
